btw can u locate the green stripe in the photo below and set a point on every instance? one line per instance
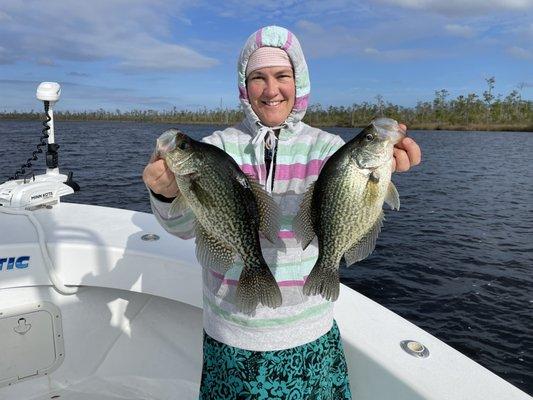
(297, 149)
(287, 271)
(270, 322)
(286, 222)
(181, 221)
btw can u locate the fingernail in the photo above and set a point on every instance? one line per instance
(408, 140)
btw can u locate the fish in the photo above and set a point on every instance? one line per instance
(231, 208)
(343, 208)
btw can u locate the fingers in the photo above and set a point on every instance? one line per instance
(403, 127)
(402, 162)
(160, 179)
(407, 154)
(153, 171)
(413, 151)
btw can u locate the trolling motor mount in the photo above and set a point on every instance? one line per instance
(27, 191)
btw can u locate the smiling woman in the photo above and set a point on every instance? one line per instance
(270, 85)
(271, 92)
(284, 155)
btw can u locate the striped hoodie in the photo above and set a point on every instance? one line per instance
(299, 153)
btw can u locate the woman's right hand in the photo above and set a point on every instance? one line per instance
(160, 179)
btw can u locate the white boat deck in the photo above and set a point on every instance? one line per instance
(134, 329)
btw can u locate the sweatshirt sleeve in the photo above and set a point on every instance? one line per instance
(181, 222)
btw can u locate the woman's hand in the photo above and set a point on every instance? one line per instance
(160, 179)
(407, 154)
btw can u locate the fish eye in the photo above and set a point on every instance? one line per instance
(183, 145)
(369, 137)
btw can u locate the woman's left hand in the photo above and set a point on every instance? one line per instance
(407, 154)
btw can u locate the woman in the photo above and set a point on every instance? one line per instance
(293, 351)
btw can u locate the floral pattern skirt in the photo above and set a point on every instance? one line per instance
(313, 371)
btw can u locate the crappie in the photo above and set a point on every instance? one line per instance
(344, 207)
(230, 210)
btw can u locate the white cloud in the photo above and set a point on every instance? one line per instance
(397, 54)
(384, 41)
(135, 34)
(520, 52)
(4, 17)
(320, 42)
(462, 7)
(460, 30)
(46, 62)
(84, 97)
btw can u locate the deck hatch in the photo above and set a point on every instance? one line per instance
(31, 341)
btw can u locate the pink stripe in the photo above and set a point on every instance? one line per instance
(286, 234)
(288, 42)
(234, 282)
(243, 94)
(252, 170)
(301, 102)
(259, 37)
(297, 170)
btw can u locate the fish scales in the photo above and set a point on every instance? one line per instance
(344, 209)
(230, 210)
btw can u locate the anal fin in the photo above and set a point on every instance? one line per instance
(303, 222)
(269, 211)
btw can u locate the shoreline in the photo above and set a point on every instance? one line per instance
(424, 126)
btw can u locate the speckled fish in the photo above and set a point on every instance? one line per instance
(344, 207)
(230, 209)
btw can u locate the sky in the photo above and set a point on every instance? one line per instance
(160, 54)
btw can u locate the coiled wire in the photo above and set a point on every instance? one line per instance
(44, 136)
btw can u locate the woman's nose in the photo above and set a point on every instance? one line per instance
(271, 88)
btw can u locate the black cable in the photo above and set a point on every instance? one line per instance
(42, 143)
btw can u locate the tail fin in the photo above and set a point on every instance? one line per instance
(323, 280)
(257, 285)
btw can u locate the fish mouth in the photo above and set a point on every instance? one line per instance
(389, 129)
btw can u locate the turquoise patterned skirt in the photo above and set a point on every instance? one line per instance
(313, 371)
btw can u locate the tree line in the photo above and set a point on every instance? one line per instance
(487, 111)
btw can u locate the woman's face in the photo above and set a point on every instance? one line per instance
(271, 92)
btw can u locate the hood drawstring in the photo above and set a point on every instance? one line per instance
(265, 137)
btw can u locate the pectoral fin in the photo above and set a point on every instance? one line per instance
(303, 223)
(211, 252)
(178, 205)
(392, 198)
(366, 245)
(269, 211)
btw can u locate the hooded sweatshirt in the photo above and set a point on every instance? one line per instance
(299, 152)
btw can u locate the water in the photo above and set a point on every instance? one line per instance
(455, 260)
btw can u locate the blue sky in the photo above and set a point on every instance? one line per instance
(156, 54)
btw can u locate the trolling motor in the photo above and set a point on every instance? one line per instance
(27, 191)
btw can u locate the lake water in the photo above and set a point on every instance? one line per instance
(456, 259)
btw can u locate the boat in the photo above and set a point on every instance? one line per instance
(102, 303)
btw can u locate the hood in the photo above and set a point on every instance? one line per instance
(275, 36)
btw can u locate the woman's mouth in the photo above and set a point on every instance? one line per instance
(271, 103)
